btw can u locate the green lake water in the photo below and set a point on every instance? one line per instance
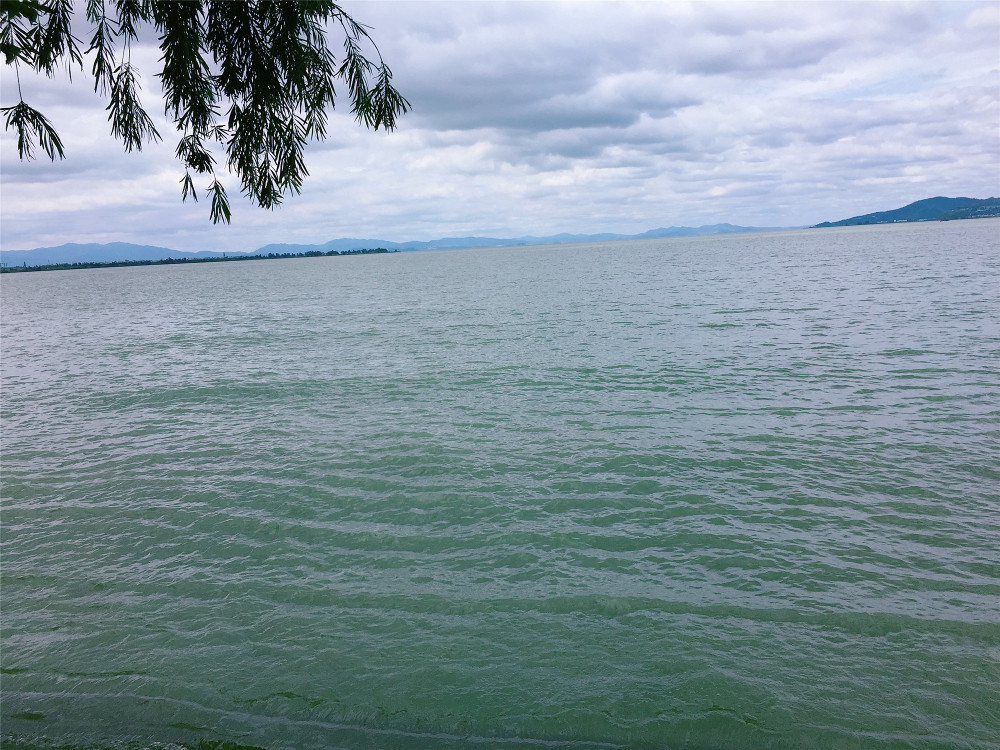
(709, 493)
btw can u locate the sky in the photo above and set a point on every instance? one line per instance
(534, 118)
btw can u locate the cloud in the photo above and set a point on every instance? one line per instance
(536, 118)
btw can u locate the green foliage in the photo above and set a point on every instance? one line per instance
(253, 78)
(31, 125)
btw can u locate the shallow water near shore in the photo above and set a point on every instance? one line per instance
(720, 492)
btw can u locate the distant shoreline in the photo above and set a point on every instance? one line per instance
(121, 254)
(186, 261)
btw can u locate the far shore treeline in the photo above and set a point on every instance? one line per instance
(72, 256)
(185, 261)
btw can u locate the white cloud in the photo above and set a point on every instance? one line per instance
(536, 118)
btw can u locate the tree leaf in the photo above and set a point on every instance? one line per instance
(31, 124)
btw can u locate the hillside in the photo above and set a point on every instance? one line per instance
(929, 209)
(977, 209)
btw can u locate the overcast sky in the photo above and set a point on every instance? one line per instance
(539, 118)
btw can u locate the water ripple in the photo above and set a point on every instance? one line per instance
(720, 492)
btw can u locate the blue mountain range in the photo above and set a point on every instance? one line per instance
(123, 251)
(929, 209)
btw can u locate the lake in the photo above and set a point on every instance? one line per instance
(720, 492)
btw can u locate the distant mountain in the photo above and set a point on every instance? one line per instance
(119, 251)
(929, 209)
(456, 243)
(95, 253)
(977, 209)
